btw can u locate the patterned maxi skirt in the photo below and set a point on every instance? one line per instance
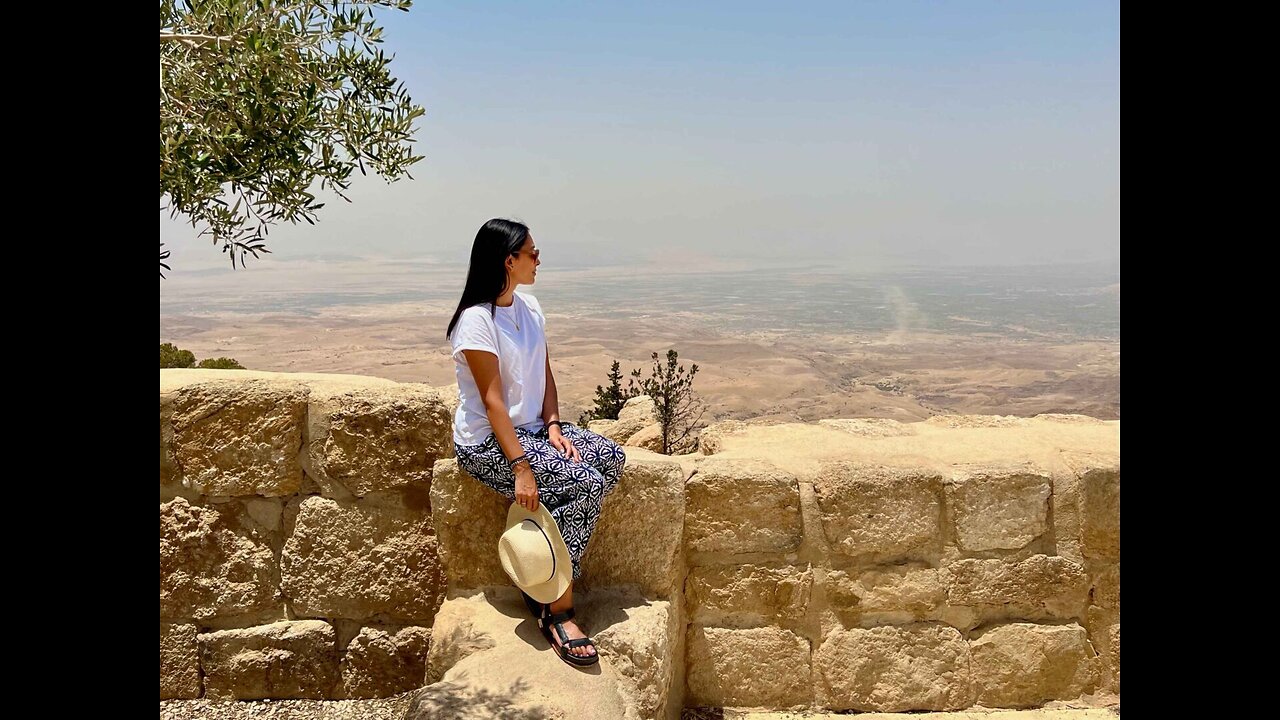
(572, 491)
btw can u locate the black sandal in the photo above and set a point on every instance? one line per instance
(562, 648)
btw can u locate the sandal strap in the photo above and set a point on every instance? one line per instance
(560, 617)
(578, 642)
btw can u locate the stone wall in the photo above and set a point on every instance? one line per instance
(318, 540)
(297, 554)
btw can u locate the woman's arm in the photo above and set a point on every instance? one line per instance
(550, 401)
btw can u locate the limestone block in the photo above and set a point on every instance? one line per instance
(1022, 665)
(748, 595)
(894, 668)
(288, 659)
(639, 407)
(742, 505)
(649, 437)
(711, 438)
(766, 666)
(877, 512)
(1104, 635)
(977, 421)
(373, 558)
(215, 561)
(170, 474)
(1041, 585)
(488, 660)
(870, 427)
(468, 517)
(887, 594)
(637, 538)
(1100, 513)
(383, 661)
(645, 640)
(1106, 587)
(362, 440)
(179, 661)
(998, 507)
(637, 414)
(240, 437)
(601, 426)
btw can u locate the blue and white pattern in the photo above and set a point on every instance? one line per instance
(573, 492)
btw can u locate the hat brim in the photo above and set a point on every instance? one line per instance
(562, 577)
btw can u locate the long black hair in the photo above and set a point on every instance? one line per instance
(487, 276)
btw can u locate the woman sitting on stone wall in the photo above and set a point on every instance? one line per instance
(507, 431)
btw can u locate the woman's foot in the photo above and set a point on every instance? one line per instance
(574, 632)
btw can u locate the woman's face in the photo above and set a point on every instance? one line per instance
(524, 267)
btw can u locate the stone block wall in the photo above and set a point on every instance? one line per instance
(297, 554)
(913, 586)
(312, 526)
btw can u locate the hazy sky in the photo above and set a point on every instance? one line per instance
(724, 134)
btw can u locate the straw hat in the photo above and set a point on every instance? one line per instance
(534, 554)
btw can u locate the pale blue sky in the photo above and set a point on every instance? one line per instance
(744, 133)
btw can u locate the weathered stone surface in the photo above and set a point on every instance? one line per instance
(1019, 665)
(363, 440)
(1041, 583)
(886, 594)
(240, 437)
(469, 517)
(1106, 587)
(1100, 503)
(289, 659)
(1104, 635)
(998, 507)
(748, 595)
(870, 427)
(383, 661)
(894, 668)
(641, 407)
(977, 421)
(169, 471)
(600, 427)
(742, 505)
(648, 503)
(765, 666)
(711, 438)
(488, 660)
(369, 559)
(215, 561)
(637, 414)
(879, 513)
(1066, 503)
(646, 644)
(179, 661)
(649, 437)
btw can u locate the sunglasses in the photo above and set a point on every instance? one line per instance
(535, 252)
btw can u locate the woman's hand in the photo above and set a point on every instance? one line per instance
(526, 487)
(562, 443)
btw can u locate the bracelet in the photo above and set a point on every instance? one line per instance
(512, 463)
(556, 422)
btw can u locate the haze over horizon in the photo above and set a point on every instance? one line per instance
(738, 136)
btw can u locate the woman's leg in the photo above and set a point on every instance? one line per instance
(572, 492)
(598, 451)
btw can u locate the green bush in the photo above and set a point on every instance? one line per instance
(172, 357)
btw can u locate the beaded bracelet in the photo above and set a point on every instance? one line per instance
(512, 463)
(556, 422)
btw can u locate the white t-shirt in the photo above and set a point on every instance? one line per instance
(522, 365)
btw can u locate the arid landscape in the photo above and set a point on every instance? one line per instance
(906, 350)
